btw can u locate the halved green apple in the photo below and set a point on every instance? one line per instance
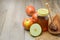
(35, 30)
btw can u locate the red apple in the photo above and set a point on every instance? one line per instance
(35, 17)
(30, 10)
(27, 23)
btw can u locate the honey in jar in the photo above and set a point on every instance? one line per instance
(43, 18)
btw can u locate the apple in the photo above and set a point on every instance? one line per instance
(30, 10)
(35, 17)
(35, 30)
(27, 23)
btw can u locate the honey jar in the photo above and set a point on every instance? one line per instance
(43, 18)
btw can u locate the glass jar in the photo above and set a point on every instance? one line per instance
(43, 19)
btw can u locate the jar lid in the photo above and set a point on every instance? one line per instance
(43, 12)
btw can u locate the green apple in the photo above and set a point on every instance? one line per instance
(42, 12)
(35, 30)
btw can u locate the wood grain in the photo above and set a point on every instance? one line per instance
(47, 36)
(12, 14)
(12, 27)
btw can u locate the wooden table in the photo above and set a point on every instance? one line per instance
(12, 13)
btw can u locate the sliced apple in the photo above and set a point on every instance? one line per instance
(35, 30)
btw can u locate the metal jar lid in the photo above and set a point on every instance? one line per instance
(43, 12)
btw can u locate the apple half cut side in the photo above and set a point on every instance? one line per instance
(35, 30)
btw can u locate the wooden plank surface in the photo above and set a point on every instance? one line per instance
(12, 28)
(12, 13)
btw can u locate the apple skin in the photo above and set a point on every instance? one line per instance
(27, 23)
(35, 17)
(30, 10)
